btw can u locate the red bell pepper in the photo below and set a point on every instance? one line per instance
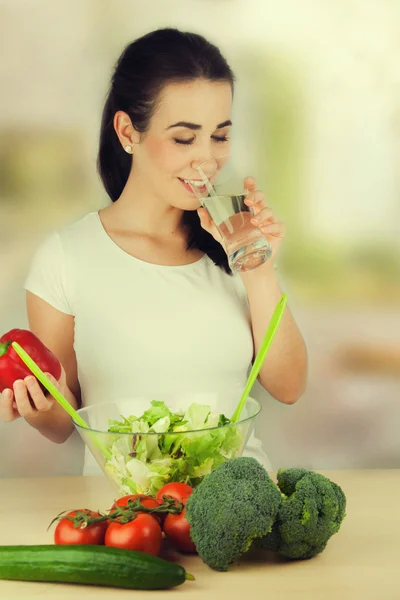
(13, 368)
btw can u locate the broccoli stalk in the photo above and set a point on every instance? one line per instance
(312, 510)
(231, 507)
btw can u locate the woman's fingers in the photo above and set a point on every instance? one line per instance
(205, 219)
(208, 225)
(24, 405)
(8, 406)
(276, 229)
(250, 184)
(29, 397)
(41, 402)
(63, 379)
(263, 216)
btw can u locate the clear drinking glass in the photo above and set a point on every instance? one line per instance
(221, 191)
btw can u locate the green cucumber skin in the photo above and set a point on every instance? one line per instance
(89, 565)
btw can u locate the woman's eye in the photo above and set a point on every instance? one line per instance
(216, 138)
(186, 142)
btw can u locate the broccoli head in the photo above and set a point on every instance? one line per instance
(312, 510)
(231, 507)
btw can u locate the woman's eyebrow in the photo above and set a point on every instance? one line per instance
(195, 127)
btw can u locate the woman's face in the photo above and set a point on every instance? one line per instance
(191, 124)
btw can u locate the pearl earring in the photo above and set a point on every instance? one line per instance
(128, 149)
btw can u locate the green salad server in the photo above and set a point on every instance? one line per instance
(37, 371)
(261, 354)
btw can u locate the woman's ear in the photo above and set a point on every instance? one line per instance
(127, 134)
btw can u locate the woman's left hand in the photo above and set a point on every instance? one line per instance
(264, 218)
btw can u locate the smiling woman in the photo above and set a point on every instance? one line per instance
(137, 299)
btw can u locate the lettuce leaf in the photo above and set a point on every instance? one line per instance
(167, 446)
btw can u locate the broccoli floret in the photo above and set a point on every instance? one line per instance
(271, 541)
(233, 505)
(312, 510)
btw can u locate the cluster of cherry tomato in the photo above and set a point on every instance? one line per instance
(143, 533)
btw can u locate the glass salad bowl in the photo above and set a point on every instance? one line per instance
(141, 443)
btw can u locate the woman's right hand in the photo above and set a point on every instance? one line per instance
(27, 400)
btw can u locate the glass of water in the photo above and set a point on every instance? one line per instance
(222, 193)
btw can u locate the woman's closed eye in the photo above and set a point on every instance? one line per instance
(216, 138)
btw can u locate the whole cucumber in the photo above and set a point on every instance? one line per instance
(90, 565)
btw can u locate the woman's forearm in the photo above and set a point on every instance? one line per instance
(284, 373)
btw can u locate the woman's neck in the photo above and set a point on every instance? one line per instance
(141, 211)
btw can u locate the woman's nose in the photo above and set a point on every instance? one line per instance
(207, 166)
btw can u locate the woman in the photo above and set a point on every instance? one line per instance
(138, 297)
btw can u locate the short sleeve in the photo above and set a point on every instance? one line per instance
(47, 276)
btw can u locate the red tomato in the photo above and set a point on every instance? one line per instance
(67, 533)
(147, 501)
(177, 530)
(178, 491)
(142, 534)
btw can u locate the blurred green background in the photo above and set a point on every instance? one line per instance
(316, 120)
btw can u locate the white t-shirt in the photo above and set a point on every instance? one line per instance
(141, 328)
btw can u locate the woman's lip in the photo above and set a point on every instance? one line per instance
(186, 185)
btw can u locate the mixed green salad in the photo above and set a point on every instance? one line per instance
(142, 464)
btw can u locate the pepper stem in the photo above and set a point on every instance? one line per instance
(4, 347)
